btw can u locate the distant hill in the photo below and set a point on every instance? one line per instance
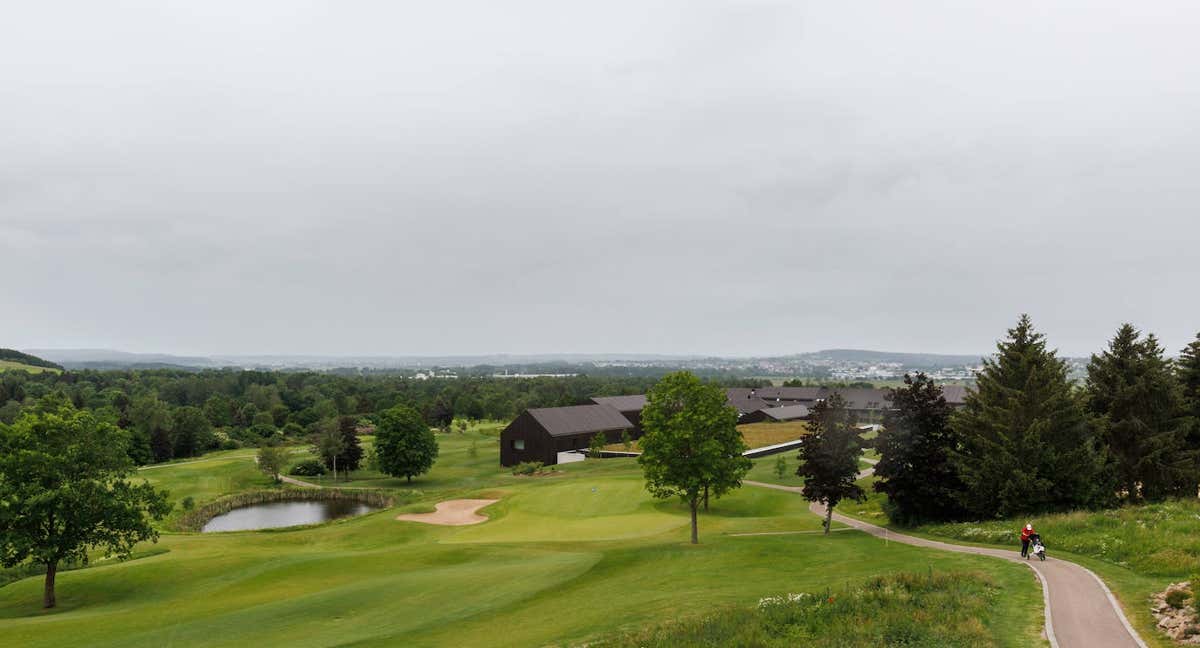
(11, 359)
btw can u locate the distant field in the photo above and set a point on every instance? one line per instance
(756, 435)
(9, 365)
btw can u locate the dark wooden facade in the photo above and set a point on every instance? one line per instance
(527, 439)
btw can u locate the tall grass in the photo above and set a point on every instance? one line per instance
(196, 519)
(1151, 539)
(931, 609)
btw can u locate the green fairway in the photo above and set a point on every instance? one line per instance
(587, 540)
(10, 365)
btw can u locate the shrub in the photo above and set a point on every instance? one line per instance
(187, 503)
(308, 468)
(527, 468)
(1177, 598)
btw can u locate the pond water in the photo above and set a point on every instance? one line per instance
(285, 514)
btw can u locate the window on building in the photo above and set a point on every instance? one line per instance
(518, 444)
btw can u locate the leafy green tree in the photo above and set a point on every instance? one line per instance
(64, 490)
(328, 444)
(191, 431)
(264, 419)
(10, 411)
(596, 445)
(219, 410)
(829, 456)
(161, 445)
(151, 422)
(916, 469)
(626, 440)
(1027, 444)
(351, 455)
(244, 416)
(440, 413)
(691, 442)
(404, 444)
(1134, 392)
(271, 460)
(781, 466)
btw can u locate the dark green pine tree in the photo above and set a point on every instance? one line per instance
(829, 456)
(1188, 369)
(1027, 444)
(915, 468)
(1135, 394)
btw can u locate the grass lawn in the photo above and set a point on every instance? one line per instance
(455, 469)
(955, 610)
(206, 478)
(588, 539)
(759, 435)
(11, 365)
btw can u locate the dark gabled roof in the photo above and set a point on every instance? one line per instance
(744, 400)
(631, 403)
(789, 393)
(787, 412)
(858, 398)
(579, 419)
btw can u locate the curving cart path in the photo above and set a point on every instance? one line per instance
(1081, 612)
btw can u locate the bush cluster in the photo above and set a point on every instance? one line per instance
(1178, 598)
(527, 468)
(308, 468)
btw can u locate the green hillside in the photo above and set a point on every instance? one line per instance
(13, 360)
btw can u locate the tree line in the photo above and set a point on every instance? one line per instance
(173, 413)
(1027, 440)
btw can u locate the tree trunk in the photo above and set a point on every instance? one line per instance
(706, 499)
(828, 516)
(334, 467)
(409, 477)
(48, 600)
(695, 534)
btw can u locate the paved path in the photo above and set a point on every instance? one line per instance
(296, 482)
(1081, 612)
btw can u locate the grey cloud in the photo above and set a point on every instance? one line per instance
(717, 177)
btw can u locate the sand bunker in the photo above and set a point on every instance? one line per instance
(452, 513)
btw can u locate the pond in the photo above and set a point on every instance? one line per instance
(285, 514)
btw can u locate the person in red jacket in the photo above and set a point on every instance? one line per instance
(1025, 533)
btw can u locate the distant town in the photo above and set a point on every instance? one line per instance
(831, 365)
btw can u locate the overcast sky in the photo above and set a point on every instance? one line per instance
(664, 177)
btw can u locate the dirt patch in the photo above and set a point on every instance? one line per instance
(452, 513)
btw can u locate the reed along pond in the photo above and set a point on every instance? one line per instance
(285, 514)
